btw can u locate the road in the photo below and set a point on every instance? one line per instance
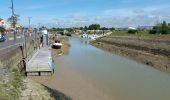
(20, 40)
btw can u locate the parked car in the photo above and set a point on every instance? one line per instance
(2, 38)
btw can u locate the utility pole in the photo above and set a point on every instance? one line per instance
(13, 19)
(29, 21)
(39, 25)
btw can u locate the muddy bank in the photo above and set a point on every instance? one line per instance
(150, 51)
(36, 91)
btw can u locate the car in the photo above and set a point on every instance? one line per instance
(2, 38)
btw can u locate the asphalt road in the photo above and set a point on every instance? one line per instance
(20, 40)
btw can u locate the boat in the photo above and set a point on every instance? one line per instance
(68, 34)
(57, 45)
(84, 36)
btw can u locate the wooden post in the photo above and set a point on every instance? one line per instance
(23, 58)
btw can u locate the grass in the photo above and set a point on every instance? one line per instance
(12, 89)
(140, 34)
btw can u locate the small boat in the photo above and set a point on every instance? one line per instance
(68, 34)
(57, 45)
(84, 36)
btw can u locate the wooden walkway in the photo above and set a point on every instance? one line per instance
(40, 64)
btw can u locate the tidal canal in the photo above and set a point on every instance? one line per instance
(117, 76)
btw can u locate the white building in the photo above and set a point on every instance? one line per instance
(2, 22)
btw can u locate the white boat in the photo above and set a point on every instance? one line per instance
(84, 36)
(57, 45)
(92, 37)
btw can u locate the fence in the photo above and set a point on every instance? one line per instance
(18, 54)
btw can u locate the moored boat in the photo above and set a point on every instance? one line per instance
(57, 45)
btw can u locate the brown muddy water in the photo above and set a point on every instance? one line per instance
(117, 76)
(89, 73)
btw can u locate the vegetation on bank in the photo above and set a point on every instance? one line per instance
(12, 89)
(90, 27)
(161, 30)
(139, 33)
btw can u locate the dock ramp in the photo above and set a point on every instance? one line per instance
(40, 64)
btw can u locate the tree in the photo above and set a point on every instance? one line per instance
(112, 29)
(94, 27)
(104, 28)
(153, 31)
(160, 29)
(13, 20)
(85, 28)
(164, 28)
(2, 30)
(81, 28)
(132, 31)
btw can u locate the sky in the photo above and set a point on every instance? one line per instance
(79, 13)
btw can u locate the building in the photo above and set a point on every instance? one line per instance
(2, 23)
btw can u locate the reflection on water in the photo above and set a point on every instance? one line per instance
(122, 78)
(84, 41)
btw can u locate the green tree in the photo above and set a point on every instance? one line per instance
(13, 20)
(81, 28)
(104, 28)
(94, 27)
(164, 28)
(2, 30)
(112, 29)
(85, 28)
(160, 29)
(132, 31)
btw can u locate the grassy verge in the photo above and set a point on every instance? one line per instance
(12, 89)
(139, 34)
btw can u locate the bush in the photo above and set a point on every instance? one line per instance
(131, 31)
(153, 31)
(164, 31)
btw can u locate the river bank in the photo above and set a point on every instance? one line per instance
(147, 50)
(35, 90)
(15, 86)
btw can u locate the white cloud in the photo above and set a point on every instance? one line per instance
(133, 11)
(118, 17)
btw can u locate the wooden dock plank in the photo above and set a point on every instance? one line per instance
(40, 63)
